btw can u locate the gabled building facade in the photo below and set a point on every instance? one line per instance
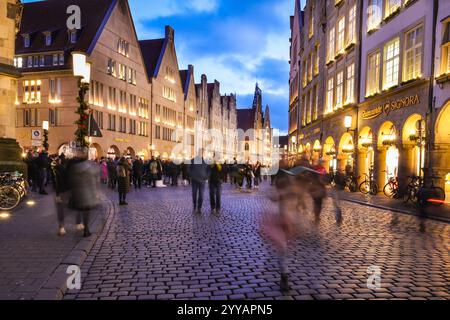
(119, 94)
(167, 95)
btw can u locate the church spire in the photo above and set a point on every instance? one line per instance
(257, 100)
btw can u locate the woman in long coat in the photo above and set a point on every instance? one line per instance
(123, 180)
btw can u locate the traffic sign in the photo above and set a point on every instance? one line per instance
(36, 135)
(36, 143)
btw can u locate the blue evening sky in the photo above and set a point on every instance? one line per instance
(237, 42)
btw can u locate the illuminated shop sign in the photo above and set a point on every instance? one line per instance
(390, 106)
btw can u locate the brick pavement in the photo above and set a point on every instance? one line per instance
(30, 250)
(441, 213)
(156, 248)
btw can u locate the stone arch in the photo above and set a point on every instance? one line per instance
(366, 152)
(113, 152)
(441, 157)
(329, 154)
(388, 153)
(130, 152)
(95, 151)
(346, 153)
(413, 140)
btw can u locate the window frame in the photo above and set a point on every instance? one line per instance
(418, 44)
(396, 63)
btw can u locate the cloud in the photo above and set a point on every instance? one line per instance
(151, 10)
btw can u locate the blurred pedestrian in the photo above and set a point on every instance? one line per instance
(112, 173)
(153, 170)
(199, 173)
(138, 169)
(42, 166)
(84, 177)
(215, 187)
(103, 171)
(123, 180)
(62, 190)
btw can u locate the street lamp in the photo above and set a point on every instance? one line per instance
(82, 70)
(348, 121)
(45, 127)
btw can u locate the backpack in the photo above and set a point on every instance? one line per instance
(121, 173)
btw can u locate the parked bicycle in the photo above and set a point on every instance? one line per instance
(422, 195)
(369, 186)
(391, 189)
(430, 195)
(351, 183)
(12, 190)
(412, 190)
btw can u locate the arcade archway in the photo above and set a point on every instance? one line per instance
(329, 155)
(346, 153)
(113, 152)
(414, 141)
(441, 159)
(389, 154)
(366, 152)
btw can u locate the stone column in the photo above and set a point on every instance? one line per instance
(380, 166)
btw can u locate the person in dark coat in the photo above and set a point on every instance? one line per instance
(42, 165)
(112, 174)
(215, 187)
(123, 180)
(199, 173)
(138, 170)
(185, 172)
(62, 188)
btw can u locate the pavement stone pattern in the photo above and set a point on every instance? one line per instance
(31, 251)
(157, 249)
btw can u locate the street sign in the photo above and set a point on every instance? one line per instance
(36, 143)
(36, 135)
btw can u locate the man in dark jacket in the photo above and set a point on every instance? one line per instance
(215, 186)
(42, 164)
(138, 169)
(199, 173)
(62, 188)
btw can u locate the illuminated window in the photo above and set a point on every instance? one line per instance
(413, 54)
(339, 89)
(331, 44)
(374, 14)
(351, 33)
(123, 47)
(55, 59)
(315, 104)
(330, 95)
(41, 61)
(191, 105)
(32, 91)
(391, 63)
(445, 68)
(54, 91)
(373, 74)
(112, 98)
(340, 35)
(169, 94)
(391, 7)
(350, 86)
(61, 59)
(317, 60)
(311, 22)
(170, 75)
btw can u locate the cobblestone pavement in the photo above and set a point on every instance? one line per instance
(30, 250)
(156, 248)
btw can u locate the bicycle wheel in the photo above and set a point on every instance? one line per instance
(364, 187)
(9, 198)
(388, 190)
(437, 196)
(21, 190)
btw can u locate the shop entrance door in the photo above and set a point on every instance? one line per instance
(392, 159)
(370, 159)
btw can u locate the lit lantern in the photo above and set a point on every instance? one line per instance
(348, 120)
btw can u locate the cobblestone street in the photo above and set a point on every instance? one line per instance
(156, 248)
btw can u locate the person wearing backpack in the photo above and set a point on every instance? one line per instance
(123, 180)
